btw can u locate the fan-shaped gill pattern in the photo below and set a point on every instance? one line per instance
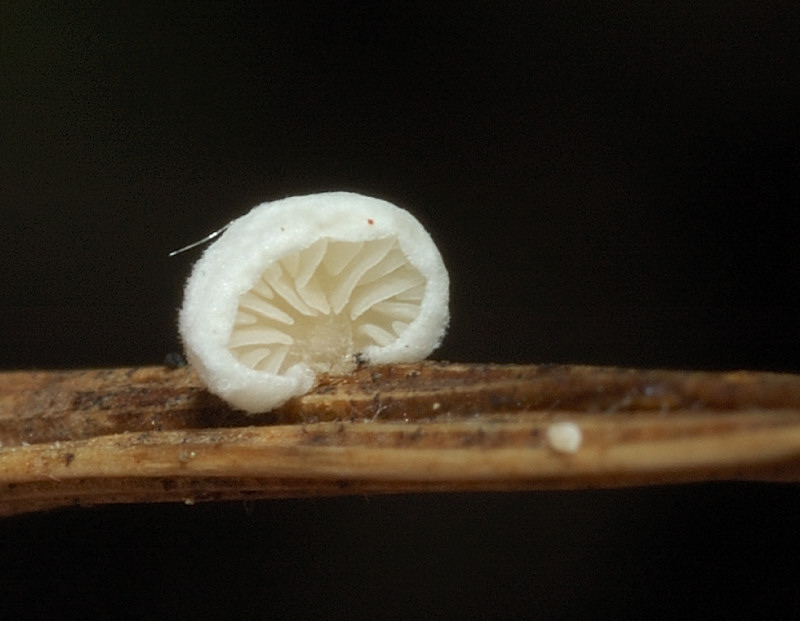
(325, 303)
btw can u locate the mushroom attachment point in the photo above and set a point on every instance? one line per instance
(307, 285)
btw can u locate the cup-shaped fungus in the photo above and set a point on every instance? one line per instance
(311, 284)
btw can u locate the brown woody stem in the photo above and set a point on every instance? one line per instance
(153, 434)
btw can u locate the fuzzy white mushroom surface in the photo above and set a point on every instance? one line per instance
(311, 284)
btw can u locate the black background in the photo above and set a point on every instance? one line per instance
(609, 183)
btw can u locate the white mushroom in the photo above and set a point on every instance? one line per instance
(311, 284)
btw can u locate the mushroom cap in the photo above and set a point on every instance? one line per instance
(311, 284)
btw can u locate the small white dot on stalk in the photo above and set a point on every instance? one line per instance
(564, 437)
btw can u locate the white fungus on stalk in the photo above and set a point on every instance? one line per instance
(564, 437)
(311, 284)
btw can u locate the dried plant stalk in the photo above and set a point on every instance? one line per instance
(154, 435)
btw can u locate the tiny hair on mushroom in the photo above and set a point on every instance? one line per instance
(311, 284)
